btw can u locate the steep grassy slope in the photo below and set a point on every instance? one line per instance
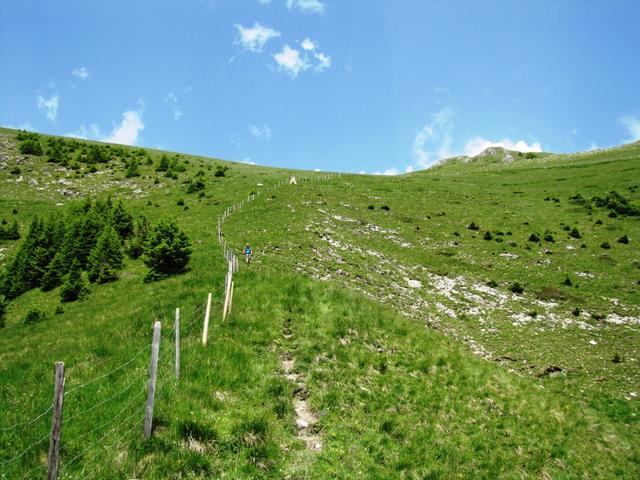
(393, 398)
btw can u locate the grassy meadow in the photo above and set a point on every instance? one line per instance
(401, 324)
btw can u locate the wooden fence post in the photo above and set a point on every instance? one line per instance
(153, 373)
(230, 298)
(56, 422)
(177, 343)
(205, 330)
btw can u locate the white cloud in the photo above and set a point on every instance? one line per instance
(478, 144)
(264, 2)
(310, 6)
(172, 101)
(324, 62)
(290, 61)
(49, 106)
(92, 132)
(81, 72)
(260, 132)
(127, 132)
(255, 38)
(632, 124)
(248, 161)
(408, 169)
(433, 141)
(308, 44)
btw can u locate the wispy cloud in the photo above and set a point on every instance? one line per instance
(25, 126)
(81, 72)
(49, 106)
(172, 101)
(307, 6)
(260, 132)
(324, 62)
(264, 2)
(433, 141)
(86, 133)
(290, 61)
(632, 125)
(253, 39)
(479, 144)
(128, 130)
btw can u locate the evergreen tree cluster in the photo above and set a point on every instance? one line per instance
(56, 251)
(9, 231)
(171, 167)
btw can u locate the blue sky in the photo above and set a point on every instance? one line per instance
(347, 85)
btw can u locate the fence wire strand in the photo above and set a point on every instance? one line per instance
(118, 368)
(27, 422)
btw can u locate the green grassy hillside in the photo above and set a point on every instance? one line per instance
(426, 365)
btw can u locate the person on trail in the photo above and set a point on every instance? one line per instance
(248, 253)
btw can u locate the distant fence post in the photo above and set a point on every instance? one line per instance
(205, 329)
(177, 343)
(230, 297)
(153, 373)
(56, 422)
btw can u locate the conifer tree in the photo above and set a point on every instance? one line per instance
(166, 251)
(74, 286)
(122, 221)
(55, 273)
(106, 257)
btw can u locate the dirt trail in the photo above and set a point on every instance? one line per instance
(305, 419)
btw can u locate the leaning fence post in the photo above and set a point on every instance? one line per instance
(230, 297)
(56, 422)
(153, 373)
(177, 343)
(205, 330)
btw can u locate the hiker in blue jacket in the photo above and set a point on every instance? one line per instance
(248, 253)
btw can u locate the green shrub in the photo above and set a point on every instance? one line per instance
(516, 288)
(180, 202)
(575, 233)
(534, 237)
(15, 171)
(3, 310)
(567, 281)
(132, 169)
(605, 245)
(31, 146)
(166, 251)
(548, 237)
(10, 232)
(624, 239)
(487, 235)
(195, 185)
(473, 226)
(386, 208)
(34, 316)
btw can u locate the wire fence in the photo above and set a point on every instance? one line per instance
(120, 392)
(112, 403)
